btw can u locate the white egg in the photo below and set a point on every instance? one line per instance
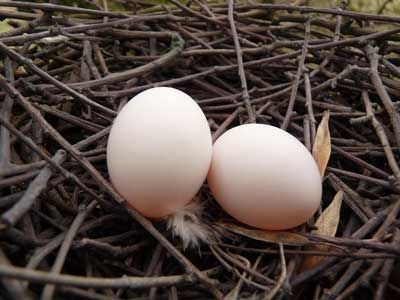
(159, 151)
(264, 177)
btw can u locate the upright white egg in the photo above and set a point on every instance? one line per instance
(159, 151)
(264, 177)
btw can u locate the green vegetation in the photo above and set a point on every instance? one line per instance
(4, 27)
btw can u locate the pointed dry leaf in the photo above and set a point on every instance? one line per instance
(322, 145)
(328, 221)
(327, 225)
(269, 236)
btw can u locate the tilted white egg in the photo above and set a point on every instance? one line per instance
(159, 151)
(264, 177)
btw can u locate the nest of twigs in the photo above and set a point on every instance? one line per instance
(67, 71)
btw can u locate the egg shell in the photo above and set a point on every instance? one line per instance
(264, 177)
(159, 151)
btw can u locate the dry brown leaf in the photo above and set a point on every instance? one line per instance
(322, 145)
(327, 225)
(269, 236)
(328, 221)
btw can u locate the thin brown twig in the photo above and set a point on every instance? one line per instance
(5, 113)
(81, 281)
(270, 295)
(48, 290)
(66, 9)
(31, 66)
(43, 18)
(239, 57)
(373, 56)
(386, 270)
(380, 132)
(306, 9)
(300, 71)
(309, 105)
(14, 288)
(382, 217)
(222, 257)
(344, 253)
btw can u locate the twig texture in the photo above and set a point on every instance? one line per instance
(66, 72)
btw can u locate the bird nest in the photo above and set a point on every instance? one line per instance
(328, 76)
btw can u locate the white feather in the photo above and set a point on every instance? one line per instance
(187, 225)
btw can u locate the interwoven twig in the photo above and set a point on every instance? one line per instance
(66, 73)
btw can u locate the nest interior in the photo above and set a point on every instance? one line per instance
(67, 71)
